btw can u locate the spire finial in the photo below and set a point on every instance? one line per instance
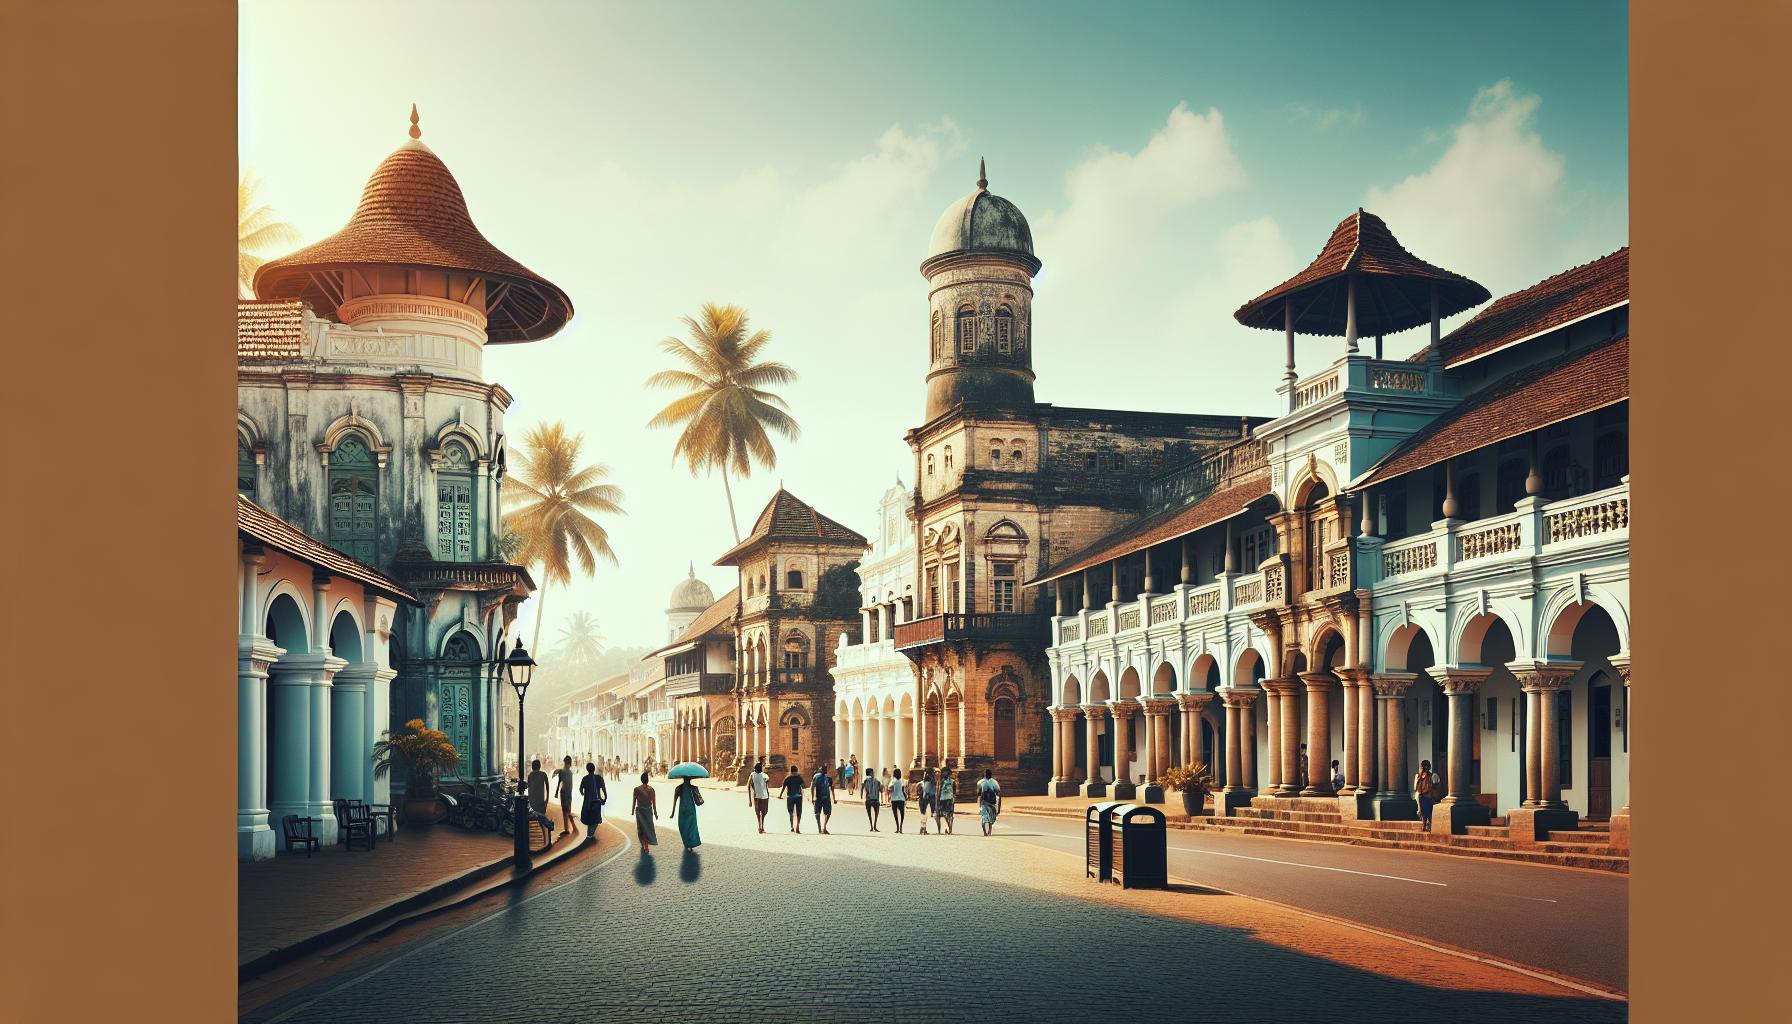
(982, 175)
(416, 132)
(693, 571)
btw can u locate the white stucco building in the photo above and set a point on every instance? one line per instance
(874, 686)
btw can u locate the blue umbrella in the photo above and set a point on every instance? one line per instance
(688, 770)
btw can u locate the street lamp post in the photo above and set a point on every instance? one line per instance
(518, 667)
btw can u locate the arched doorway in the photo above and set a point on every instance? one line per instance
(287, 768)
(1004, 731)
(1587, 711)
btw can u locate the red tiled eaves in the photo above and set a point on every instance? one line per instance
(1527, 399)
(256, 522)
(1215, 508)
(270, 331)
(1552, 303)
(787, 517)
(710, 620)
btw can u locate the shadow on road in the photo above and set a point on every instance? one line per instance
(645, 869)
(691, 868)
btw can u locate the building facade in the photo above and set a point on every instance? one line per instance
(1421, 559)
(875, 696)
(700, 675)
(364, 420)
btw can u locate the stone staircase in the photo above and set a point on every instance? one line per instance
(1319, 820)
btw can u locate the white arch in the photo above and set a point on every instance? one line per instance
(349, 423)
(455, 429)
(288, 587)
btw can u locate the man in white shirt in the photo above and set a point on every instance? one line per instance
(759, 792)
(872, 788)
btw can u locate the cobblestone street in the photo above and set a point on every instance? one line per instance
(855, 926)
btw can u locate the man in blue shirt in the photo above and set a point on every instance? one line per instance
(871, 787)
(822, 792)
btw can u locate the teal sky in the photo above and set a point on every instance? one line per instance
(1175, 160)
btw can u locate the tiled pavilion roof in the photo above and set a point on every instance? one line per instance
(1393, 286)
(1217, 507)
(788, 518)
(270, 331)
(1550, 304)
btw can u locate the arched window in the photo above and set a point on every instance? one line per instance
(454, 504)
(762, 583)
(795, 652)
(245, 468)
(1004, 331)
(354, 499)
(967, 331)
(929, 463)
(995, 451)
(939, 335)
(1019, 454)
(794, 579)
(1004, 737)
(948, 458)
(1316, 536)
(455, 699)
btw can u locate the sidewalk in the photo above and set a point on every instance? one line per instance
(294, 903)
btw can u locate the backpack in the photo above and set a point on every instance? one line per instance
(986, 795)
(1427, 786)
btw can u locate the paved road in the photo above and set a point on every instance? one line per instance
(859, 927)
(1564, 920)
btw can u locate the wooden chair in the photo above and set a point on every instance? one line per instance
(352, 827)
(298, 833)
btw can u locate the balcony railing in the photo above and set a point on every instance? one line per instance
(974, 626)
(1368, 378)
(704, 682)
(1600, 517)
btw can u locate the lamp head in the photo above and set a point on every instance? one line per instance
(518, 667)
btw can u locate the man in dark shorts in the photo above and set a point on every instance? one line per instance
(824, 798)
(759, 795)
(793, 798)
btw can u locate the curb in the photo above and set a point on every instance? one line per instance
(250, 969)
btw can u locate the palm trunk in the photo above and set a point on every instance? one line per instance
(732, 521)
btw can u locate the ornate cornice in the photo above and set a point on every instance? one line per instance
(1543, 676)
(1393, 684)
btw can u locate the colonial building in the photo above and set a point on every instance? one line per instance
(1422, 558)
(1006, 486)
(698, 666)
(797, 597)
(875, 696)
(365, 420)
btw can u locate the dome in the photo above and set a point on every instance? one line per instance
(412, 214)
(691, 594)
(983, 222)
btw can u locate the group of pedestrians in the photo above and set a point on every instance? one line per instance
(935, 792)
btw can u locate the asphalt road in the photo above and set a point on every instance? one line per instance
(1564, 920)
(860, 927)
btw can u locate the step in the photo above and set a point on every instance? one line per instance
(1580, 838)
(1499, 831)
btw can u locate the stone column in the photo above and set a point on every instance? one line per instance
(255, 838)
(1347, 683)
(1123, 712)
(1620, 823)
(1193, 704)
(842, 733)
(1237, 790)
(1543, 810)
(1459, 807)
(1365, 733)
(1272, 727)
(289, 781)
(1094, 715)
(930, 734)
(1157, 734)
(1319, 736)
(1394, 801)
(886, 742)
(1288, 722)
(348, 706)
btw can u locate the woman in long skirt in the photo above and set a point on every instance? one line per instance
(646, 808)
(989, 800)
(685, 801)
(592, 792)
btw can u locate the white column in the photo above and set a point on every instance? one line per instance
(255, 839)
(289, 695)
(886, 742)
(348, 729)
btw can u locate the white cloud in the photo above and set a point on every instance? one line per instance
(1485, 207)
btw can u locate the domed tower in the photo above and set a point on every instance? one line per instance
(411, 261)
(689, 599)
(979, 271)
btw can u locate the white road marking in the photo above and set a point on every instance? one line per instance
(1316, 867)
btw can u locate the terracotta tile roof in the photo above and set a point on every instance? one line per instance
(1544, 306)
(1215, 508)
(713, 619)
(1393, 286)
(596, 689)
(254, 521)
(1527, 399)
(270, 331)
(412, 214)
(787, 517)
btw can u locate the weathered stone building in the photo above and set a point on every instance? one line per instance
(797, 594)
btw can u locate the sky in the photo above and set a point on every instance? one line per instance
(1174, 161)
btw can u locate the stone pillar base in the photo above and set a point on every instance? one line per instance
(1620, 826)
(1098, 788)
(1123, 790)
(1532, 825)
(1063, 788)
(255, 844)
(1154, 794)
(1394, 807)
(1319, 791)
(1357, 806)
(1459, 815)
(1227, 801)
(325, 830)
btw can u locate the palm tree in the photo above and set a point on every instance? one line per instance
(554, 500)
(581, 641)
(725, 408)
(258, 230)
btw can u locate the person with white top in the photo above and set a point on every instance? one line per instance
(898, 796)
(989, 800)
(759, 788)
(872, 788)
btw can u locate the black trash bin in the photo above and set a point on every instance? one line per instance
(1098, 862)
(1141, 847)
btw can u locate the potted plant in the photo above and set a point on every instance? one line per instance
(1193, 782)
(423, 754)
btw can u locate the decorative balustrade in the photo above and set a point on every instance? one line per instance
(1498, 539)
(1129, 618)
(1070, 630)
(973, 626)
(1414, 555)
(1163, 611)
(1318, 389)
(1384, 378)
(1337, 569)
(1247, 590)
(1205, 601)
(1275, 583)
(1098, 626)
(1600, 515)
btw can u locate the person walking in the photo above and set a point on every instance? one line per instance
(1337, 776)
(646, 808)
(898, 796)
(538, 795)
(873, 790)
(929, 801)
(1425, 786)
(793, 799)
(845, 773)
(563, 790)
(685, 801)
(989, 800)
(759, 796)
(822, 790)
(592, 796)
(948, 797)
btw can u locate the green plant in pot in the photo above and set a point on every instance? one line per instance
(1193, 782)
(423, 755)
